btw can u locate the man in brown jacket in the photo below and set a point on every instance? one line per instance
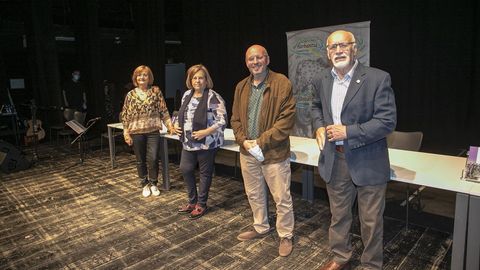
(263, 115)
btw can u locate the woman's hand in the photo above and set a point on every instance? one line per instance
(170, 130)
(177, 130)
(200, 134)
(128, 139)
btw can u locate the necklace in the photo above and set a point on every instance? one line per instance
(141, 94)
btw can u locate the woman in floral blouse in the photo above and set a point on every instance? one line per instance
(202, 119)
(142, 115)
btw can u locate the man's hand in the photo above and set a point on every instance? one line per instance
(336, 133)
(249, 144)
(320, 135)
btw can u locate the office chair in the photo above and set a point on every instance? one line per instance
(411, 141)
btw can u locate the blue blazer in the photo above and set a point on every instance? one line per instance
(369, 113)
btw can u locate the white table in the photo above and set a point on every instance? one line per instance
(417, 168)
(301, 148)
(444, 172)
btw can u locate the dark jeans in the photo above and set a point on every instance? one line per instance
(146, 148)
(188, 163)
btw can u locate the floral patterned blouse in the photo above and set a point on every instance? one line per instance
(144, 114)
(216, 117)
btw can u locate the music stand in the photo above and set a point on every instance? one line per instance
(81, 131)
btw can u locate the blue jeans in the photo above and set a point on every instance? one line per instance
(145, 147)
(188, 163)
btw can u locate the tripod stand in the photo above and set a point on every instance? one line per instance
(81, 131)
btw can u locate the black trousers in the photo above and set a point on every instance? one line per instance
(188, 163)
(146, 147)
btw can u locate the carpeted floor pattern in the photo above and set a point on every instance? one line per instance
(94, 217)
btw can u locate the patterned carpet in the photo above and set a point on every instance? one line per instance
(93, 217)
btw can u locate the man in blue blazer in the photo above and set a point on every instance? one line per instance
(354, 110)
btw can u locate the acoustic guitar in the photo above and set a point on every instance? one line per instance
(35, 132)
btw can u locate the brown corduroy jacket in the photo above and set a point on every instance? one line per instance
(276, 118)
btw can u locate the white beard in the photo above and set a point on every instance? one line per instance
(342, 64)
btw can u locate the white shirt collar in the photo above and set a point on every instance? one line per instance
(347, 76)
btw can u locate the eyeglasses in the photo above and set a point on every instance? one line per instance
(342, 45)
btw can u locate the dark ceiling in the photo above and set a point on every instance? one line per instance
(115, 14)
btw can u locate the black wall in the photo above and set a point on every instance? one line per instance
(431, 48)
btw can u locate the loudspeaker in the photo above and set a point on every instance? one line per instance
(11, 159)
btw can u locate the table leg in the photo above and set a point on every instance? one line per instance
(235, 166)
(307, 183)
(164, 158)
(473, 240)
(460, 231)
(111, 146)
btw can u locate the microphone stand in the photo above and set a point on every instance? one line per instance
(81, 141)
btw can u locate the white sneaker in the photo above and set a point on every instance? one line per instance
(155, 191)
(146, 191)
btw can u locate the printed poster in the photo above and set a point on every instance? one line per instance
(307, 57)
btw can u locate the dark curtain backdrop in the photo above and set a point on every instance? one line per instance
(150, 36)
(89, 56)
(42, 52)
(430, 48)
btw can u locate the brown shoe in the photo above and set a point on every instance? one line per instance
(285, 247)
(249, 235)
(333, 265)
(186, 209)
(198, 212)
